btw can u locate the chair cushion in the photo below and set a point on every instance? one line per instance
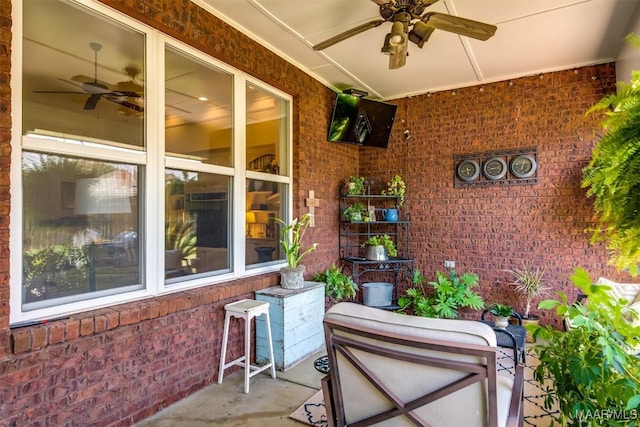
(462, 331)
(630, 292)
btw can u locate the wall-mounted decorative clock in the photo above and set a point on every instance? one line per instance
(494, 168)
(468, 170)
(514, 166)
(523, 166)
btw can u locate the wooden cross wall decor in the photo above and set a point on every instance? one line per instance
(312, 203)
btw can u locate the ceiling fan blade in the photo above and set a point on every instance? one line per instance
(126, 93)
(78, 85)
(124, 103)
(91, 102)
(463, 26)
(400, 58)
(82, 79)
(349, 33)
(59, 91)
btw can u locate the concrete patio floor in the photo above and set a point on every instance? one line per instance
(268, 403)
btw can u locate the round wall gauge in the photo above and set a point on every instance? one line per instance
(468, 170)
(523, 166)
(494, 168)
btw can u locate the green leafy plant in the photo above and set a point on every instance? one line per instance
(355, 187)
(613, 174)
(593, 366)
(528, 283)
(355, 212)
(449, 293)
(396, 187)
(382, 240)
(501, 310)
(338, 285)
(180, 234)
(291, 235)
(65, 266)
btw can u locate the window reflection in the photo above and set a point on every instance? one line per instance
(81, 227)
(85, 84)
(196, 223)
(198, 98)
(267, 132)
(263, 205)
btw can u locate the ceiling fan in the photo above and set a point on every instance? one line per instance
(96, 89)
(410, 24)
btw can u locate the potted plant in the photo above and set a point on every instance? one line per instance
(449, 293)
(502, 312)
(528, 283)
(594, 364)
(379, 247)
(396, 187)
(355, 186)
(610, 175)
(292, 276)
(338, 286)
(355, 212)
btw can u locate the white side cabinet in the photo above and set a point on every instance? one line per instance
(296, 324)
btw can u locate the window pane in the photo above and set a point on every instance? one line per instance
(80, 228)
(198, 104)
(87, 81)
(263, 204)
(267, 132)
(197, 223)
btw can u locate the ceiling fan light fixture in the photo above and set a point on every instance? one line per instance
(387, 48)
(420, 33)
(397, 34)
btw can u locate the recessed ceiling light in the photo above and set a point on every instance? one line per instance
(203, 98)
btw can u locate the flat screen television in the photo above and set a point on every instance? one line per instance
(361, 121)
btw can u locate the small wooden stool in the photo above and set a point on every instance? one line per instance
(246, 309)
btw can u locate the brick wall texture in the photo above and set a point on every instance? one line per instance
(115, 366)
(488, 230)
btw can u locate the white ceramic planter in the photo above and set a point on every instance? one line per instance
(292, 278)
(502, 322)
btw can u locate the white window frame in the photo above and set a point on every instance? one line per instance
(154, 161)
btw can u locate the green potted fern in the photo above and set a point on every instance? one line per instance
(612, 178)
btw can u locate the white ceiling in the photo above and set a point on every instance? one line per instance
(533, 36)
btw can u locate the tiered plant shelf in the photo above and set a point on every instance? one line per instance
(354, 233)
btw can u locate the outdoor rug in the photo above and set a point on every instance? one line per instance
(312, 412)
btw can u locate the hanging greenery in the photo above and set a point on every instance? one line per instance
(613, 175)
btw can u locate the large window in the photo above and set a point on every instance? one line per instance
(134, 179)
(199, 139)
(267, 130)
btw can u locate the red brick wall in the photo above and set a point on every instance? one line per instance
(5, 162)
(488, 230)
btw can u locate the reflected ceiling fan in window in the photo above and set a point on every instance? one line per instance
(125, 93)
(409, 24)
(131, 86)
